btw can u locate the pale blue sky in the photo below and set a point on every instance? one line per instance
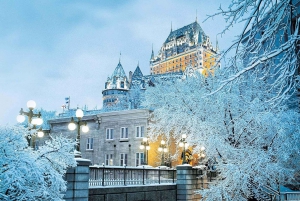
(53, 49)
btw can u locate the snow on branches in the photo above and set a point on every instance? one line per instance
(33, 175)
(267, 46)
(255, 147)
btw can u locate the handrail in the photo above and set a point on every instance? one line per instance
(123, 176)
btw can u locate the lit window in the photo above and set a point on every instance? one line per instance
(109, 159)
(109, 133)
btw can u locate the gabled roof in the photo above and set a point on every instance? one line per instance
(191, 29)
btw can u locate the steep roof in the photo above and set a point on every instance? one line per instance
(119, 71)
(191, 29)
(137, 74)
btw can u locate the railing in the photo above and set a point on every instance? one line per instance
(123, 176)
(290, 196)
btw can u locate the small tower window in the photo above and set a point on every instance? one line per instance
(122, 84)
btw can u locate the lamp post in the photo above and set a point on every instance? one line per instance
(183, 144)
(162, 148)
(34, 119)
(146, 147)
(73, 124)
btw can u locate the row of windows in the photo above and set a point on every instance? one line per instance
(186, 58)
(109, 100)
(109, 92)
(139, 132)
(139, 159)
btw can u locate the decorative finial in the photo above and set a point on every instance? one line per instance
(120, 57)
(171, 26)
(138, 64)
(196, 15)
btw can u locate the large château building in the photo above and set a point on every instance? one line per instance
(118, 129)
(188, 45)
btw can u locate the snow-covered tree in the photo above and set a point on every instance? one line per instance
(267, 46)
(26, 174)
(255, 147)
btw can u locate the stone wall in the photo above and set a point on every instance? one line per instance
(134, 193)
(78, 181)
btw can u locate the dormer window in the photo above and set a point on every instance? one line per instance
(122, 84)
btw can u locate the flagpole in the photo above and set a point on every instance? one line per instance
(69, 103)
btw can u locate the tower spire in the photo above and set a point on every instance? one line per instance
(171, 26)
(120, 57)
(152, 53)
(196, 16)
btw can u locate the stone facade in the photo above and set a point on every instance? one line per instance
(114, 137)
(134, 193)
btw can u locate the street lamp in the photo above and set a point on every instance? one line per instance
(33, 119)
(185, 145)
(79, 123)
(163, 148)
(146, 147)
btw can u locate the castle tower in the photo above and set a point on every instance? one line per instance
(188, 45)
(115, 94)
(137, 88)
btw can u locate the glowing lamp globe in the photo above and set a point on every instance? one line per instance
(183, 136)
(34, 121)
(72, 126)
(202, 148)
(148, 147)
(31, 104)
(165, 150)
(85, 129)
(181, 144)
(145, 139)
(142, 146)
(20, 118)
(159, 149)
(40, 134)
(163, 142)
(39, 121)
(79, 113)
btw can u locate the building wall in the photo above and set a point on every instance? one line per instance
(178, 63)
(131, 193)
(98, 125)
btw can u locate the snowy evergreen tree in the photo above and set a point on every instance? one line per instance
(26, 174)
